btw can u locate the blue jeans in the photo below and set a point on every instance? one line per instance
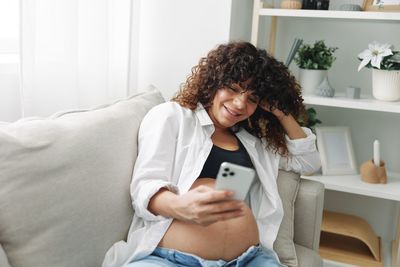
(255, 256)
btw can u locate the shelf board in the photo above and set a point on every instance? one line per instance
(331, 263)
(354, 185)
(364, 103)
(335, 14)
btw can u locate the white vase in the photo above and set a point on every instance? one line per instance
(386, 84)
(310, 79)
(325, 89)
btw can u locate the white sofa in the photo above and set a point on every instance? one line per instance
(64, 189)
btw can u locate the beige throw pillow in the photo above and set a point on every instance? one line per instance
(64, 183)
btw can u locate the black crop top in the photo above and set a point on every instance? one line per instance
(219, 155)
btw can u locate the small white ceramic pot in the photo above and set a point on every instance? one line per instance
(386, 84)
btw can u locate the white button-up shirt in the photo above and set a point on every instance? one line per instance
(174, 143)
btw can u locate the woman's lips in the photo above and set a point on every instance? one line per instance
(232, 113)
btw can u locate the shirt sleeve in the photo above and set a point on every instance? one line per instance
(154, 164)
(303, 154)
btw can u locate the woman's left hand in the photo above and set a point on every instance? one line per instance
(291, 126)
(275, 111)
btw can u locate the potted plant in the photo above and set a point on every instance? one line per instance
(385, 65)
(310, 119)
(314, 62)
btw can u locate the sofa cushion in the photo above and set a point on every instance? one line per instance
(64, 183)
(288, 186)
(308, 257)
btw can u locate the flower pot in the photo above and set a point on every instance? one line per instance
(386, 84)
(310, 79)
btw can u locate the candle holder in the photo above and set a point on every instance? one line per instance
(373, 174)
(291, 4)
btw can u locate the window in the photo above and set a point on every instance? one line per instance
(9, 31)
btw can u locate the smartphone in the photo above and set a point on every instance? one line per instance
(236, 178)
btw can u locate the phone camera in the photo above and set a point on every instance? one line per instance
(231, 173)
(226, 169)
(224, 174)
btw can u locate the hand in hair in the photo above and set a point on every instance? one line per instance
(274, 110)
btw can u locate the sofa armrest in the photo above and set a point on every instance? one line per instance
(308, 209)
(3, 258)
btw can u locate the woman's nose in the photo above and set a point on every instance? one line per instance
(240, 101)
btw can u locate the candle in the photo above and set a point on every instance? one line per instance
(377, 159)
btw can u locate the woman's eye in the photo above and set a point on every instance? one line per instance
(254, 99)
(235, 90)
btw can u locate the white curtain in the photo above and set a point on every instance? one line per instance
(74, 53)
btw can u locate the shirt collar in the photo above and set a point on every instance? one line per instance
(205, 120)
(247, 137)
(202, 115)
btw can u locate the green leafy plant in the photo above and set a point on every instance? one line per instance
(310, 119)
(315, 57)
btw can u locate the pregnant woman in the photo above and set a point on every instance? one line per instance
(239, 105)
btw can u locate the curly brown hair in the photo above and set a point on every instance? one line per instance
(270, 80)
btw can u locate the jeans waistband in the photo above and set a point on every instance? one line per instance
(188, 259)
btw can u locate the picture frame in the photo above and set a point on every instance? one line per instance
(336, 150)
(381, 5)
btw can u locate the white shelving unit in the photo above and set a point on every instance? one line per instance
(354, 185)
(258, 11)
(347, 183)
(364, 103)
(334, 14)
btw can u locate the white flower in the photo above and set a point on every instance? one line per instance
(375, 53)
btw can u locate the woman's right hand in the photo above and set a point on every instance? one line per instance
(204, 205)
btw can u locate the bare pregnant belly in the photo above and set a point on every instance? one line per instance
(221, 240)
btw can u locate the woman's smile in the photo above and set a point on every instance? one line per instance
(229, 108)
(232, 113)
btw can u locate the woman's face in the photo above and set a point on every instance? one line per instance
(231, 105)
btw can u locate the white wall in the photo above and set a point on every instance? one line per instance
(175, 34)
(10, 109)
(241, 20)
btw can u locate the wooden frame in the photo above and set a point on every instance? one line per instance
(389, 6)
(336, 150)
